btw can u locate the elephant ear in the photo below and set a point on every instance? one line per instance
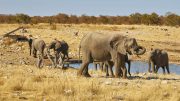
(118, 44)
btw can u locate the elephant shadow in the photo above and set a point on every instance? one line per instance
(151, 78)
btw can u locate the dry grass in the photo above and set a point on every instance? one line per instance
(56, 84)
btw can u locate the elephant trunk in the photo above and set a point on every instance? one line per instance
(139, 50)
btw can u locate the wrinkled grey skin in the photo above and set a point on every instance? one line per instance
(104, 47)
(37, 45)
(105, 66)
(58, 48)
(158, 58)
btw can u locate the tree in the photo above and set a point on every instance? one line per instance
(23, 18)
(135, 18)
(61, 18)
(172, 20)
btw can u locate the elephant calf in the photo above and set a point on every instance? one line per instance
(105, 66)
(158, 58)
(58, 48)
(37, 45)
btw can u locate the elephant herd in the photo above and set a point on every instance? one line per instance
(59, 48)
(110, 50)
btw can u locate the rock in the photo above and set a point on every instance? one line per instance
(69, 91)
(108, 83)
(119, 98)
(23, 98)
(142, 74)
(166, 94)
(122, 83)
(23, 62)
(164, 82)
(1, 54)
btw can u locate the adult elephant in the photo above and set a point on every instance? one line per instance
(158, 58)
(58, 48)
(37, 45)
(104, 47)
(107, 66)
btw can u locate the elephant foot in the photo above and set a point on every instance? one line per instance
(112, 76)
(117, 76)
(124, 77)
(79, 74)
(86, 75)
(107, 75)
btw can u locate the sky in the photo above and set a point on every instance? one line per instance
(88, 7)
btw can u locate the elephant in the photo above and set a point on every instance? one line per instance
(59, 48)
(37, 45)
(108, 66)
(158, 58)
(104, 47)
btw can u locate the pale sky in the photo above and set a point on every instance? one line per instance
(88, 7)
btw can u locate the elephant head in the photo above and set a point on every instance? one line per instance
(126, 45)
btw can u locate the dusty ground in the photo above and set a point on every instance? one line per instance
(21, 80)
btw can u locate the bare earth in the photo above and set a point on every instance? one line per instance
(21, 80)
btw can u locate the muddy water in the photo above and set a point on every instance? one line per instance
(140, 67)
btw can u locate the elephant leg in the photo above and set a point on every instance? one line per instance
(124, 70)
(95, 66)
(56, 58)
(85, 72)
(153, 67)
(157, 68)
(63, 57)
(30, 50)
(67, 55)
(101, 66)
(149, 68)
(107, 72)
(60, 60)
(110, 65)
(84, 66)
(117, 70)
(163, 69)
(50, 58)
(34, 51)
(167, 68)
(129, 67)
(40, 59)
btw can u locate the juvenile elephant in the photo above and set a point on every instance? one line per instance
(58, 48)
(104, 47)
(158, 58)
(37, 45)
(104, 66)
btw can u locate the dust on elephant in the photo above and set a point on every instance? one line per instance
(105, 66)
(37, 45)
(104, 47)
(58, 48)
(158, 58)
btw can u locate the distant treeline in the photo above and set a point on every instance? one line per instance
(169, 19)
